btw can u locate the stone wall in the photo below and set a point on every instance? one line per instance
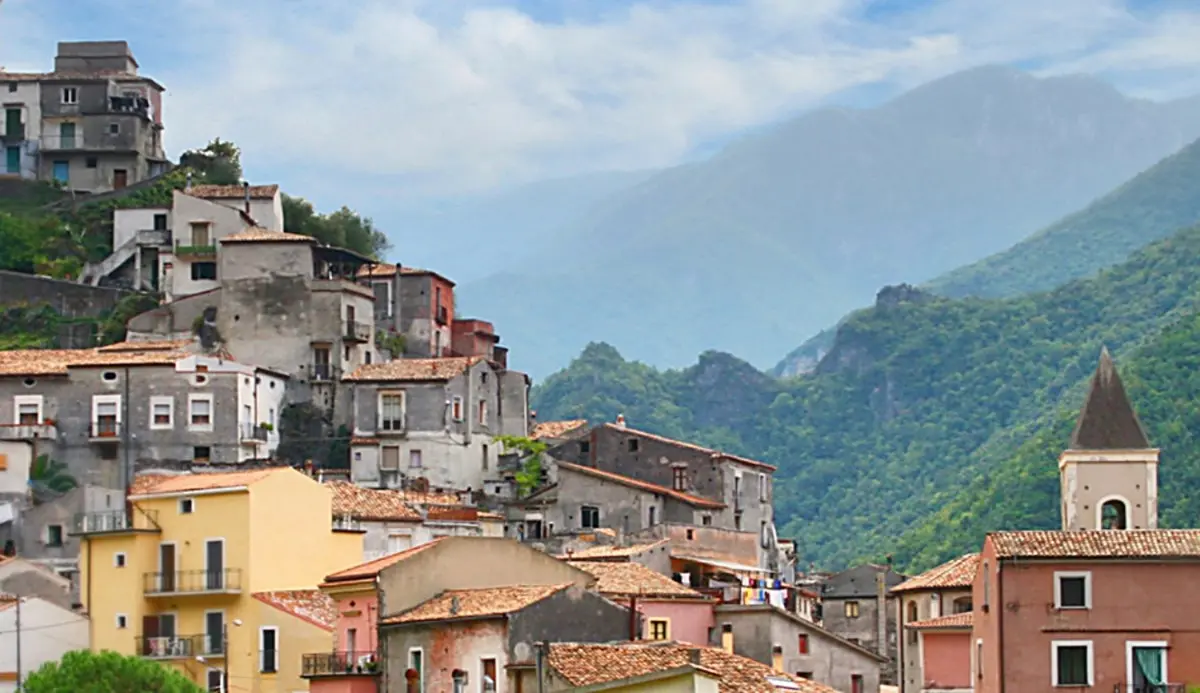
(69, 299)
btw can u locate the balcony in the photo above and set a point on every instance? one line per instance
(195, 250)
(443, 316)
(253, 434)
(322, 664)
(104, 431)
(115, 522)
(357, 331)
(164, 647)
(28, 431)
(185, 582)
(15, 132)
(325, 373)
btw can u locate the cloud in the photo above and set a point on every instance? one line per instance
(426, 97)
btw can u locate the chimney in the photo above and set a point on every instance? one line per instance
(620, 421)
(246, 192)
(777, 658)
(727, 637)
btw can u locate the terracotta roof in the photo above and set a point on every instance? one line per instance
(487, 602)
(625, 579)
(491, 516)
(1107, 421)
(261, 235)
(694, 501)
(717, 454)
(365, 441)
(556, 429)
(383, 269)
(590, 664)
(1135, 543)
(159, 484)
(370, 504)
(963, 620)
(413, 370)
(370, 569)
(32, 362)
(229, 192)
(959, 572)
(602, 552)
(313, 606)
(415, 271)
(154, 345)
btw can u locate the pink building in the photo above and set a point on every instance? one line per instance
(669, 610)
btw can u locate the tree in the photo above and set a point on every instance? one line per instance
(529, 477)
(50, 478)
(82, 671)
(218, 163)
(343, 228)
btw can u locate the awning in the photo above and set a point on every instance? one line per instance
(724, 565)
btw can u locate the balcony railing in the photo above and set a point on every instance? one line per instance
(115, 521)
(325, 372)
(105, 429)
(194, 249)
(357, 331)
(28, 431)
(253, 433)
(1150, 688)
(178, 646)
(52, 143)
(15, 132)
(339, 664)
(226, 581)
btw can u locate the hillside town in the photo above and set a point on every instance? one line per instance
(306, 470)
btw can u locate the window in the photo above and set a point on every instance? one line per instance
(484, 457)
(585, 446)
(160, 222)
(200, 412)
(660, 629)
(114, 128)
(122, 621)
(962, 605)
(70, 95)
(483, 412)
(589, 517)
(91, 162)
(391, 411)
(456, 409)
(162, 412)
(650, 516)
(28, 409)
(268, 649)
(487, 678)
(856, 683)
(802, 647)
(633, 444)
(187, 506)
(679, 478)
(1113, 514)
(851, 609)
(54, 535)
(200, 234)
(416, 662)
(389, 458)
(119, 560)
(213, 679)
(105, 415)
(910, 615)
(414, 459)
(204, 270)
(762, 488)
(1073, 590)
(12, 87)
(804, 674)
(201, 453)
(764, 535)
(109, 376)
(1071, 662)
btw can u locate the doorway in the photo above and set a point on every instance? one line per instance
(214, 564)
(12, 123)
(120, 178)
(166, 567)
(12, 160)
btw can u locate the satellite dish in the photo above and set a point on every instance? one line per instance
(523, 652)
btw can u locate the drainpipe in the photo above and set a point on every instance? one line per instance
(246, 194)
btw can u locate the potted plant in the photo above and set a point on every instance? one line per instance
(372, 666)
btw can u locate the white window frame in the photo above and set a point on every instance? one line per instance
(159, 400)
(224, 556)
(457, 405)
(97, 400)
(120, 559)
(74, 94)
(212, 413)
(1087, 589)
(1091, 662)
(190, 500)
(1130, 664)
(24, 400)
(262, 650)
(496, 683)
(483, 412)
(403, 409)
(762, 488)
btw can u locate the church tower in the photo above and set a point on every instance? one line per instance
(1109, 474)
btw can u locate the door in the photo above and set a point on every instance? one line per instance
(166, 567)
(12, 160)
(214, 564)
(120, 178)
(66, 135)
(12, 122)
(149, 634)
(214, 632)
(321, 369)
(62, 171)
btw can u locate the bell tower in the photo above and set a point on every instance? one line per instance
(1109, 474)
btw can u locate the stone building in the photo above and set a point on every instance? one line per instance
(434, 419)
(92, 124)
(857, 605)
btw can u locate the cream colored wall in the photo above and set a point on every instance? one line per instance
(296, 637)
(1088, 479)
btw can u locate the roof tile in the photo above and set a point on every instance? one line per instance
(261, 235)
(368, 570)
(606, 552)
(627, 579)
(159, 484)
(413, 370)
(477, 603)
(313, 606)
(959, 572)
(230, 192)
(371, 504)
(963, 620)
(556, 429)
(694, 501)
(1134, 543)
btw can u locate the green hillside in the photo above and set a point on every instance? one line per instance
(1149, 207)
(923, 405)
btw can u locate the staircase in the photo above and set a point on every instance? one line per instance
(93, 272)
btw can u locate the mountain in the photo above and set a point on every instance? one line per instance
(781, 233)
(931, 420)
(1158, 201)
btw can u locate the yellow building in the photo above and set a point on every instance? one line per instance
(200, 565)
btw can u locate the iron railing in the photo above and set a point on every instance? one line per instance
(192, 581)
(28, 431)
(253, 433)
(355, 663)
(195, 250)
(115, 521)
(104, 429)
(170, 646)
(357, 331)
(325, 372)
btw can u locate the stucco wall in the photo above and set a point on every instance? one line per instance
(444, 648)
(912, 673)
(47, 632)
(1089, 480)
(947, 658)
(690, 621)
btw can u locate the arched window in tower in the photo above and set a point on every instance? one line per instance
(1112, 515)
(911, 617)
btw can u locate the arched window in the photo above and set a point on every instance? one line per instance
(1112, 515)
(962, 605)
(910, 617)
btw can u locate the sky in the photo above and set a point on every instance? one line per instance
(361, 101)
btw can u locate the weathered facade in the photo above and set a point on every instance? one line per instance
(857, 605)
(426, 312)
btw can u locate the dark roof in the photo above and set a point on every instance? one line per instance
(1108, 421)
(859, 582)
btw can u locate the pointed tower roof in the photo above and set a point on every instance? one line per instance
(1108, 421)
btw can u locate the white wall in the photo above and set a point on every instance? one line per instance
(185, 210)
(47, 632)
(266, 213)
(28, 94)
(127, 222)
(18, 456)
